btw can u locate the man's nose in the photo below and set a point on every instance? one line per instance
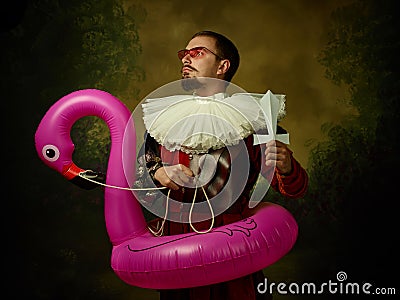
(186, 59)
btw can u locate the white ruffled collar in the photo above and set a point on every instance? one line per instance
(195, 124)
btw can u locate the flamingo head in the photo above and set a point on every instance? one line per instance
(55, 148)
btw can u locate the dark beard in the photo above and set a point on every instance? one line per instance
(191, 84)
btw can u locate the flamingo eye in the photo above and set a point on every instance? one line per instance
(50, 152)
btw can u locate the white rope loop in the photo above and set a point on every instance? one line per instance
(82, 174)
(160, 231)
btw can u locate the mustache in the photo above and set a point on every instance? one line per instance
(189, 67)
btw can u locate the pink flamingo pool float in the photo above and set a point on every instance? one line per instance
(138, 257)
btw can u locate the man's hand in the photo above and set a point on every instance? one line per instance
(174, 176)
(277, 153)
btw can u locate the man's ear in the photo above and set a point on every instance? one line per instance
(223, 66)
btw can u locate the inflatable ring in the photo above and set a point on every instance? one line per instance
(139, 258)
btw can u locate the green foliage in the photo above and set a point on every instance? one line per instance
(59, 247)
(334, 164)
(92, 143)
(63, 46)
(348, 214)
(360, 53)
(80, 44)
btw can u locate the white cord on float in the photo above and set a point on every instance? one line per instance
(160, 231)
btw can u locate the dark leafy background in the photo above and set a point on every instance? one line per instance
(55, 242)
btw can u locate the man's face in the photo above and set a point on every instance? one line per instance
(205, 64)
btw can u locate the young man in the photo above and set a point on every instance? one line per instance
(212, 55)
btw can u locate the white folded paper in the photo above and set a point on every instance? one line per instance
(271, 106)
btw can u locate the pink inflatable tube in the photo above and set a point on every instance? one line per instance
(139, 258)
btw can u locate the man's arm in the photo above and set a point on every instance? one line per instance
(292, 185)
(289, 177)
(173, 176)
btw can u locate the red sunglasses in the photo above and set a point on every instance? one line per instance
(195, 52)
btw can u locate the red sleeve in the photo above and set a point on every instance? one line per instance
(293, 185)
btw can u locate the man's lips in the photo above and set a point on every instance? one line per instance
(187, 69)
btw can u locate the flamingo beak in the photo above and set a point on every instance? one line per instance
(85, 179)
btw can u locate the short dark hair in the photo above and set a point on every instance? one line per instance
(225, 49)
